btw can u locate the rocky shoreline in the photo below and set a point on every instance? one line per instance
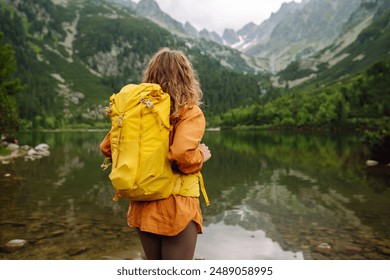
(40, 237)
(25, 151)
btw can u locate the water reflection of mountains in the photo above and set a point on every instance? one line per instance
(299, 189)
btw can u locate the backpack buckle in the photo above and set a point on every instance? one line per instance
(147, 103)
(120, 120)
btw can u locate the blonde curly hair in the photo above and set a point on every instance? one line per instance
(173, 71)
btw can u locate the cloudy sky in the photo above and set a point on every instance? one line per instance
(216, 15)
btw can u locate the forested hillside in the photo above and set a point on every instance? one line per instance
(355, 90)
(350, 101)
(71, 58)
(9, 86)
(349, 87)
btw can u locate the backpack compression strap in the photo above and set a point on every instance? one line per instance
(149, 104)
(203, 189)
(189, 185)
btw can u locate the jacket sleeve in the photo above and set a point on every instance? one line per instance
(105, 146)
(184, 152)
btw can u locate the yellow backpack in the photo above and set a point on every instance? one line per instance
(139, 138)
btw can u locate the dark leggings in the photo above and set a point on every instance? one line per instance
(178, 247)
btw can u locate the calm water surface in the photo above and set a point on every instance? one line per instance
(274, 196)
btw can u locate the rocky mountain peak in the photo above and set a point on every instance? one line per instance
(230, 36)
(148, 7)
(190, 30)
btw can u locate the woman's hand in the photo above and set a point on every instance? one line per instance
(205, 151)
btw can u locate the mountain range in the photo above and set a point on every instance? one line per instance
(313, 32)
(296, 31)
(72, 54)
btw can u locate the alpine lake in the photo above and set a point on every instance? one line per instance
(274, 196)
